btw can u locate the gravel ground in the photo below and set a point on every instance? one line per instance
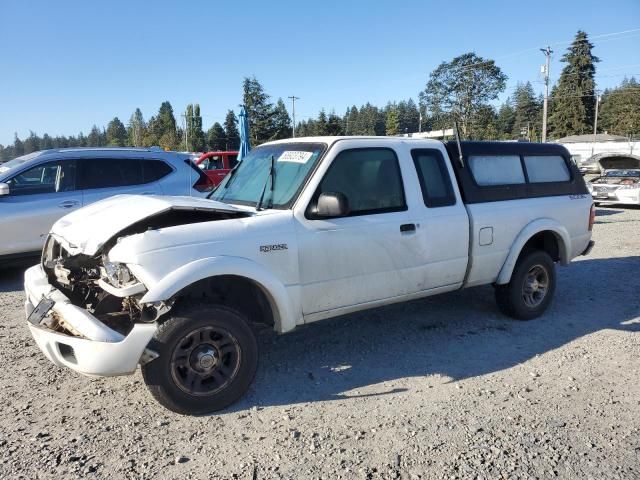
(443, 387)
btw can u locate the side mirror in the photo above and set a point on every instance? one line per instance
(4, 189)
(332, 204)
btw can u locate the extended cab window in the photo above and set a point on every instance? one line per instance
(491, 170)
(49, 177)
(369, 178)
(435, 182)
(110, 172)
(546, 168)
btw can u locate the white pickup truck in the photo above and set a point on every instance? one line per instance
(301, 230)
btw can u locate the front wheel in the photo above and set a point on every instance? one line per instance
(208, 357)
(531, 288)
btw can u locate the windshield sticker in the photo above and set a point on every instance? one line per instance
(295, 157)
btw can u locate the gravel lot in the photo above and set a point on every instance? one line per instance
(444, 387)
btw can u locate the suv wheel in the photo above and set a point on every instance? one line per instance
(531, 288)
(208, 356)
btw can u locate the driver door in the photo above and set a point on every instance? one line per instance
(37, 198)
(365, 256)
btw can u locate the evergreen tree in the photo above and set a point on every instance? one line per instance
(461, 87)
(18, 146)
(231, 131)
(334, 125)
(527, 111)
(216, 138)
(164, 129)
(195, 135)
(136, 129)
(408, 116)
(573, 97)
(31, 143)
(94, 139)
(320, 125)
(620, 109)
(392, 126)
(506, 120)
(116, 133)
(483, 124)
(351, 121)
(259, 110)
(46, 143)
(281, 121)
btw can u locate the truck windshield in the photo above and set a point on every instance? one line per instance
(293, 164)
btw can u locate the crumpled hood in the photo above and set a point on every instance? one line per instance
(86, 230)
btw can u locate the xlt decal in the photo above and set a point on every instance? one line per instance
(271, 248)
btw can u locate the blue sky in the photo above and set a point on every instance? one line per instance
(66, 65)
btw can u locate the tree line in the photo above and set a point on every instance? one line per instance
(461, 90)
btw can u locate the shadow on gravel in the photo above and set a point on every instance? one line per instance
(12, 276)
(600, 212)
(457, 335)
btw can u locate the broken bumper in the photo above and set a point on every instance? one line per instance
(97, 349)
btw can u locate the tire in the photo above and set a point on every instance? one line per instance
(208, 356)
(531, 288)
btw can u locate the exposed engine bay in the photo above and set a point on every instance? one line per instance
(82, 277)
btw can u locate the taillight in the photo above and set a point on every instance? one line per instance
(592, 216)
(204, 184)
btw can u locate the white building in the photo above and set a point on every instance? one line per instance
(583, 147)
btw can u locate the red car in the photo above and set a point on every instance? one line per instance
(217, 164)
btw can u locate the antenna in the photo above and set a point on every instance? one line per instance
(457, 134)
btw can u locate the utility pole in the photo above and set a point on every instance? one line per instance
(293, 112)
(547, 53)
(595, 125)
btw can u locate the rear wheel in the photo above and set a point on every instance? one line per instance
(531, 288)
(208, 357)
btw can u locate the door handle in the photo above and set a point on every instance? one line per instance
(408, 227)
(69, 204)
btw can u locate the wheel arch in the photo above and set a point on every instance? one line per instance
(544, 234)
(236, 271)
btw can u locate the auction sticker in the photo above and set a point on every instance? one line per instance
(295, 157)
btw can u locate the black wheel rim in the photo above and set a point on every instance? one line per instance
(535, 286)
(205, 361)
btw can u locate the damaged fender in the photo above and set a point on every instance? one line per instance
(284, 304)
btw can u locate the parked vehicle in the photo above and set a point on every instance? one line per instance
(620, 182)
(41, 187)
(302, 230)
(217, 164)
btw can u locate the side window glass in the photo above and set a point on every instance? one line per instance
(549, 168)
(49, 177)
(233, 160)
(493, 170)
(214, 163)
(154, 170)
(111, 172)
(369, 178)
(435, 182)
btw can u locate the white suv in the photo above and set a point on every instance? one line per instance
(39, 188)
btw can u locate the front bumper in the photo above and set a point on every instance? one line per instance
(97, 349)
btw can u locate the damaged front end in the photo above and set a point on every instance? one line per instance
(84, 310)
(81, 325)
